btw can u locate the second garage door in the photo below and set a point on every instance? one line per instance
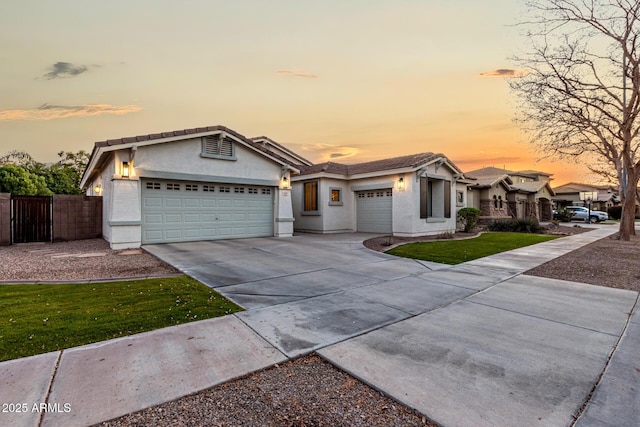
(179, 211)
(374, 211)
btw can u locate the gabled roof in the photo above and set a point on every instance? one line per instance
(576, 187)
(532, 186)
(413, 161)
(493, 171)
(101, 149)
(491, 180)
(267, 142)
(490, 176)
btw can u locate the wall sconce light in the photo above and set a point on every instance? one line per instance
(401, 183)
(98, 188)
(125, 169)
(285, 184)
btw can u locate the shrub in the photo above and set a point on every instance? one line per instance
(564, 215)
(615, 212)
(526, 225)
(469, 218)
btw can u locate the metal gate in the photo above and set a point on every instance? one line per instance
(31, 219)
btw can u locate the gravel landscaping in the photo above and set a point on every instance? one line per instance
(606, 262)
(77, 260)
(303, 392)
(307, 391)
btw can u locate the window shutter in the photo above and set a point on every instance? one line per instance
(211, 144)
(423, 197)
(217, 145)
(226, 147)
(447, 199)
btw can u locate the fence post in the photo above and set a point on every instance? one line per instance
(5, 219)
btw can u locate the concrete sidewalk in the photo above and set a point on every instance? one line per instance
(473, 344)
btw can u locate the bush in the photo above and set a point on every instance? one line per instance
(615, 212)
(469, 218)
(526, 225)
(564, 215)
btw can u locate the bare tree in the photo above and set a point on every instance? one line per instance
(579, 90)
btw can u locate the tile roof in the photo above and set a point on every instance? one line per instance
(410, 161)
(257, 139)
(488, 181)
(576, 187)
(493, 171)
(187, 133)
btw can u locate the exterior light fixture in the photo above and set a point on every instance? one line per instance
(401, 183)
(285, 183)
(125, 169)
(98, 188)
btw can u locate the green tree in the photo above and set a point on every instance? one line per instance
(19, 181)
(62, 177)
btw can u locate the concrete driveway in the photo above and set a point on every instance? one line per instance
(473, 344)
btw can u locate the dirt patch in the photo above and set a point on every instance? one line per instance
(303, 392)
(78, 260)
(607, 262)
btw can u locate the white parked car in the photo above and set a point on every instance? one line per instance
(582, 213)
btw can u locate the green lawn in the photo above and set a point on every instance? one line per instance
(41, 318)
(458, 251)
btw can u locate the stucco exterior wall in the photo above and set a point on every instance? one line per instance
(183, 157)
(330, 217)
(406, 219)
(179, 160)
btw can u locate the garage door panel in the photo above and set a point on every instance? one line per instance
(192, 218)
(172, 218)
(153, 201)
(191, 203)
(173, 234)
(171, 215)
(153, 218)
(172, 203)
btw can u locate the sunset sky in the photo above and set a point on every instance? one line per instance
(349, 81)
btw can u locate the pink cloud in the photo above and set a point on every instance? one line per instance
(297, 74)
(50, 112)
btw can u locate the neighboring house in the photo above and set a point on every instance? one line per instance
(501, 193)
(193, 184)
(404, 196)
(573, 194)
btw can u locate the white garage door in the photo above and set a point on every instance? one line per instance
(374, 211)
(181, 211)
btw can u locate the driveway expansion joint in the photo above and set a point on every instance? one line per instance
(583, 408)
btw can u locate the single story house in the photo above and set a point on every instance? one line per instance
(192, 184)
(404, 196)
(501, 193)
(574, 194)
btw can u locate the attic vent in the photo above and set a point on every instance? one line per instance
(218, 146)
